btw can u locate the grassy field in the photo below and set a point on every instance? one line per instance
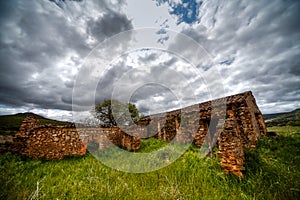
(272, 172)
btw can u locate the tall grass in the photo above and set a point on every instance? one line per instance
(272, 172)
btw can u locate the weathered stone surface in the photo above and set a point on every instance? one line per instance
(233, 124)
(55, 142)
(106, 137)
(45, 141)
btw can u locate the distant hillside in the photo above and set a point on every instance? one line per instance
(10, 124)
(282, 119)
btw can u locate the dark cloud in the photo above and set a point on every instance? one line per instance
(257, 45)
(109, 80)
(155, 95)
(43, 43)
(62, 3)
(170, 62)
(108, 25)
(253, 45)
(148, 58)
(154, 81)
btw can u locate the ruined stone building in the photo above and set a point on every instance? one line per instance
(231, 124)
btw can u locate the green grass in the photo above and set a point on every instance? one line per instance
(272, 172)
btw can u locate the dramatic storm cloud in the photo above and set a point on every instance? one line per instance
(257, 45)
(43, 44)
(253, 45)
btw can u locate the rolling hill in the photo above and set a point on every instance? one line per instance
(282, 119)
(10, 124)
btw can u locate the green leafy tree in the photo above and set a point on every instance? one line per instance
(114, 113)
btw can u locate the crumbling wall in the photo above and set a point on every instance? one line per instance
(56, 142)
(47, 141)
(233, 124)
(243, 126)
(103, 138)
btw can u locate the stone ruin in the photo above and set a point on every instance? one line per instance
(232, 124)
(46, 141)
(56, 142)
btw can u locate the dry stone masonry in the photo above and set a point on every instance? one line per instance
(56, 142)
(96, 138)
(232, 124)
(47, 141)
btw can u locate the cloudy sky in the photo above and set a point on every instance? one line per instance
(57, 56)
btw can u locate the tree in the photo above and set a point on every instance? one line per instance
(114, 113)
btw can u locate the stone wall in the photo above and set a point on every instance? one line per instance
(103, 138)
(46, 141)
(56, 142)
(233, 124)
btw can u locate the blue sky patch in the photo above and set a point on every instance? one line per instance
(227, 61)
(187, 11)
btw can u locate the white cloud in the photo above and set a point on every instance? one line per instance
(55, 114)
(257, 45)
(254, 45)
(43, 44)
